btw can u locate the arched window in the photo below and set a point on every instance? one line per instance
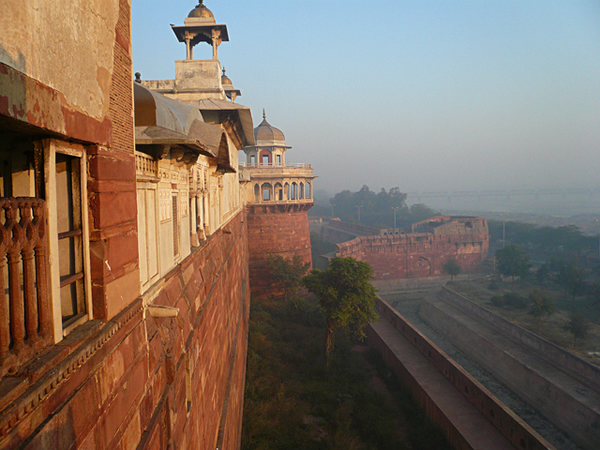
(294, 191)
(278, 192)
(286, 188)
(301, 191)
(267, 192)
(308, 190)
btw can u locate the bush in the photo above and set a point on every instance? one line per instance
(509, 300)
(515, 301)
(493, 286)
(497, 300)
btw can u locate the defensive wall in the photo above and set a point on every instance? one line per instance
(144, 381)
(420, 253)
(562, 386)
(416, 255)
(517, 432)
(275, 230)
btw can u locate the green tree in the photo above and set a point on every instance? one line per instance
(346, 296)
(542, 304)
(512, 261)
(543, 273)
(571, 276)
(452, 268)
(287, 273)
(578, 326)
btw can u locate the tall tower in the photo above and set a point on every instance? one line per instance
(278, 195)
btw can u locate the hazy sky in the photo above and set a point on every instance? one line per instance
(424, 94)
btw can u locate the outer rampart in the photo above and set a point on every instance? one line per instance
(273, 231)
(561, 386)
(416, 255)
(517, 432)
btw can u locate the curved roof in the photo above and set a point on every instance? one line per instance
(201, 12)
(266, 132)
(165, 121)
(225, 79)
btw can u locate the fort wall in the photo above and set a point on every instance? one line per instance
(417, 255)
(153, 382)
(553, 387)
(517, 432)
(275, 230)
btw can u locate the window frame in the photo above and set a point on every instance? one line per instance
(51, 147)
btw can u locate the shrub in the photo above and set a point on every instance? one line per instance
(497, 300)
(515, 301)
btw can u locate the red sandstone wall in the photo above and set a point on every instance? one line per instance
(122, 383)
(275, 232)
(417, 255)
(112, 190)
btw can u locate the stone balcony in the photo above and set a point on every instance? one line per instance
(270, 170)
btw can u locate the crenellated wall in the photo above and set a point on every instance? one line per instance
(417, 255)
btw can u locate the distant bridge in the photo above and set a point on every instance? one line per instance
(505, 193)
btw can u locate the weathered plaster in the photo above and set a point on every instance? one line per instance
(65, 45)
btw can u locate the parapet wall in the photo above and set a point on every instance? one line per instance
(517, 432)
(417, 255)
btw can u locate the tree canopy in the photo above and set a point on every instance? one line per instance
(512, 261)
(287, 273)
(377, 208)
(578, 326)
(563, 241)
(542, 304)
(346, 296)
(452, 268)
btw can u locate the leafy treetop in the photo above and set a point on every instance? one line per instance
(346, 296)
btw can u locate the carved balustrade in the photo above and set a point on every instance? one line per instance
(25, 313)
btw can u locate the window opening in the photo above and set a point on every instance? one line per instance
(278, 160)
(175, 226)
(265, 160)
(70, 237)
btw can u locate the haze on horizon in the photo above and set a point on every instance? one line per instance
(425, 95)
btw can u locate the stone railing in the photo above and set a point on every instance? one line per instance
(275, 166)
(25, 317)
(145, 166)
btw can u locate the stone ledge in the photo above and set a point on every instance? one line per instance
(59, 364)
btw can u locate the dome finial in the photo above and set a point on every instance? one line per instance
(264, 114)
(223, 70)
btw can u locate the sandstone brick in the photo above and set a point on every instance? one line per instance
(113, 167)
(113, 208)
